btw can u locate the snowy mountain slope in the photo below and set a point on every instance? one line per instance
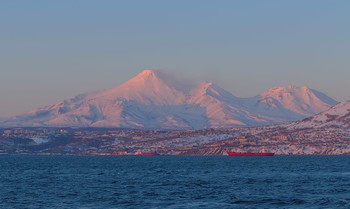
(186, 116)
(155, 100)
(225, 110)
(291, 103)
(337, 116)
(149, 87)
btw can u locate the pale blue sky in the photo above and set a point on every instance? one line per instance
(54, 50)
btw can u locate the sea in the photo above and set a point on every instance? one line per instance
(174, 182)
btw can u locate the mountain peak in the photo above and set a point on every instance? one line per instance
(149, 87)
(148, 73)
(204, 85)
(289, 88)
(302, 100)
(289, 91)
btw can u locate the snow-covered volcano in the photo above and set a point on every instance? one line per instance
(155, 100)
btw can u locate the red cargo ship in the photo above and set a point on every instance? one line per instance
(250, 154)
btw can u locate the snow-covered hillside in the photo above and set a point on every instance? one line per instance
(155, 100)
(337, 116)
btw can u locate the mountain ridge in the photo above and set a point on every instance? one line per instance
(155, 100)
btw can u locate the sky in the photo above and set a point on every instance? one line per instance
(52, 50)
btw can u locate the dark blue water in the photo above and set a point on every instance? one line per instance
(174, 182)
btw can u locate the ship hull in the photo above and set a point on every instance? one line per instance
(250, 154)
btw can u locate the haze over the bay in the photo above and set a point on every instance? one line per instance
(51, 51)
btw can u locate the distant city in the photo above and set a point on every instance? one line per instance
(277, 139)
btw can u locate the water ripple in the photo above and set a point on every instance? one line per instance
(174, 182)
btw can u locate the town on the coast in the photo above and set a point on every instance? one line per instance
(89, 141)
